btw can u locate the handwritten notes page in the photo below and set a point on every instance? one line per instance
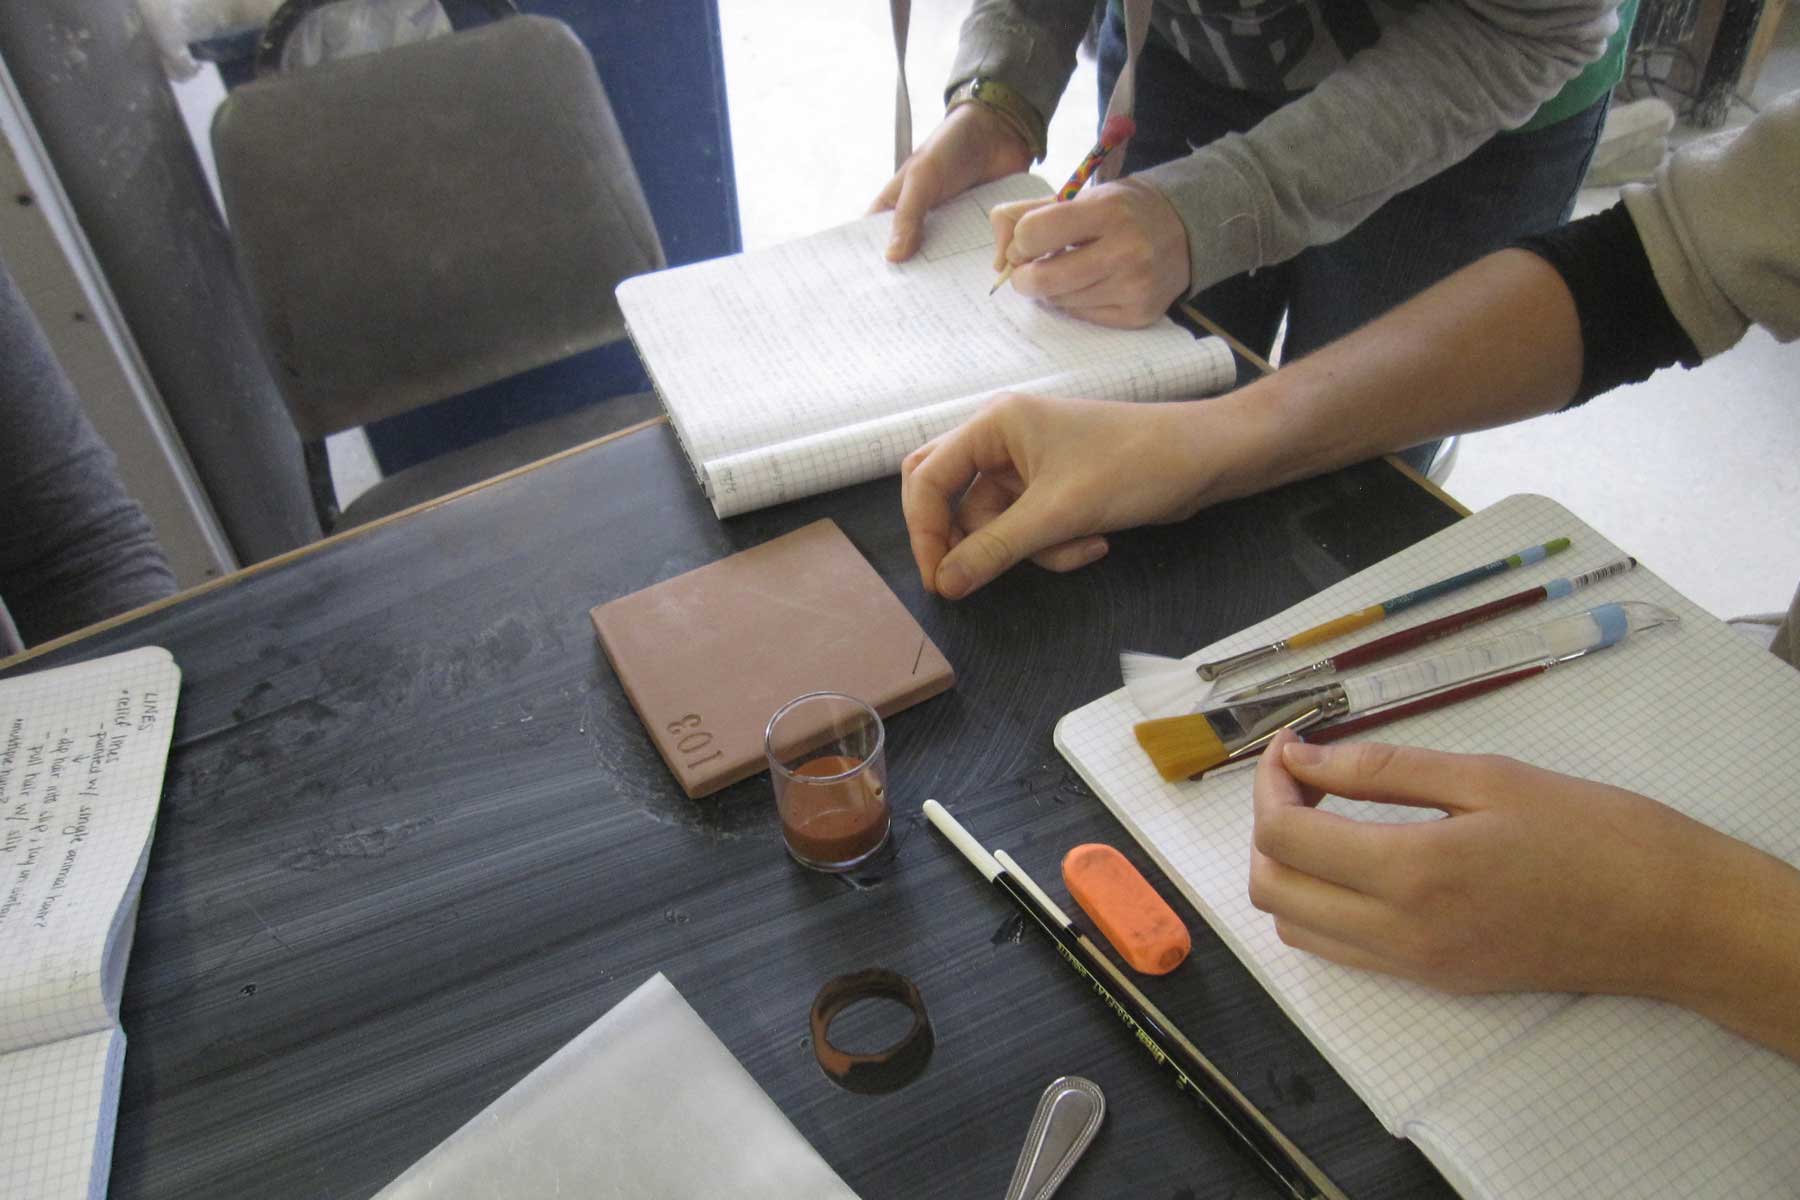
(816, 364)
(82, 753)
(1523, 1094)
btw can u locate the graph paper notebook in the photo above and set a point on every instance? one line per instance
(82, 751)
(809, 366)
(1522, 1095)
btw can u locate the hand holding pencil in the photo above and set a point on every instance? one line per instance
(1116, 256)
(1115, 133)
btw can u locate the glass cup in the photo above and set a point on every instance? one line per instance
(828, 765)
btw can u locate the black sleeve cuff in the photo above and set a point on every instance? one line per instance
(1627, 329)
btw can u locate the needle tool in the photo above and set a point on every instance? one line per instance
(1431, 631)
(1161, 686)
(1183, 747)
(1117, 130)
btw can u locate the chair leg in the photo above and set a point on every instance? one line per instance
(318, 479)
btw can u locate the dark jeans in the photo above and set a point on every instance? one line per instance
(1514, 184)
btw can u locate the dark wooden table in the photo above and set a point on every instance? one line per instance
(414, 839)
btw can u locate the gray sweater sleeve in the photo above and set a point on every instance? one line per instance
(1027, 44)
(74, 548)
(1439, 82)
(1721, 228)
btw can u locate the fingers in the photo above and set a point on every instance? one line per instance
(1073, 555)
(1311, 870)
(1106, 281)
(993, 493)
(1041, 227)
(890, 192)
(1031, 476)
(1300, 937)
(986, 553)
(1291, 832)
(1116, 255)
(927, 496)
(956, 555)
(1391, 774)
(919, 187)
(1275, 788)
(1002, 218)
(999, 521)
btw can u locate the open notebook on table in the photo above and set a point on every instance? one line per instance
(1521, 1095)
(800, 368)
(82, 752)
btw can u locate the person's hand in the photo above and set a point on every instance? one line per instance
(1533, 880)
(1115, 255)
(972, 145)
(1037, 477)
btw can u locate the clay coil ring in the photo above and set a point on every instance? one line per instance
(883, 1070)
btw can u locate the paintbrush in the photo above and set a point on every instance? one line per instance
(1182, 747)
(1115, 133)
(1431, 631)
(1161, 686)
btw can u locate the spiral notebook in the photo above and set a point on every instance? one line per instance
(82, 752)
(1533, 1094)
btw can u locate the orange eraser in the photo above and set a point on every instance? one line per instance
(1120, 901)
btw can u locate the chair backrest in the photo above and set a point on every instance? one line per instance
(429, 218)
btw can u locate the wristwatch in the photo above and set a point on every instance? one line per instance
(1008, 104)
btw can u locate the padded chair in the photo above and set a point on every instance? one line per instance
(422, 220)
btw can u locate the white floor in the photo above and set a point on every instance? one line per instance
(1697, 473)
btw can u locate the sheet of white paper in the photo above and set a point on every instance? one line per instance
(644, 1104)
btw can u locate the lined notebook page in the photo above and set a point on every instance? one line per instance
(60, 1104)
(82, 752)
(811, 365)
(1629, 716)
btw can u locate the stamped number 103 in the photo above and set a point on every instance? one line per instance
(691, 739)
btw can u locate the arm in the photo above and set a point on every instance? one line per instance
(1434, 87)
(74, 547)
(1721, 228)
(1044, 477)
(1511, 336)
(1533, 881)
(1029, 45)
